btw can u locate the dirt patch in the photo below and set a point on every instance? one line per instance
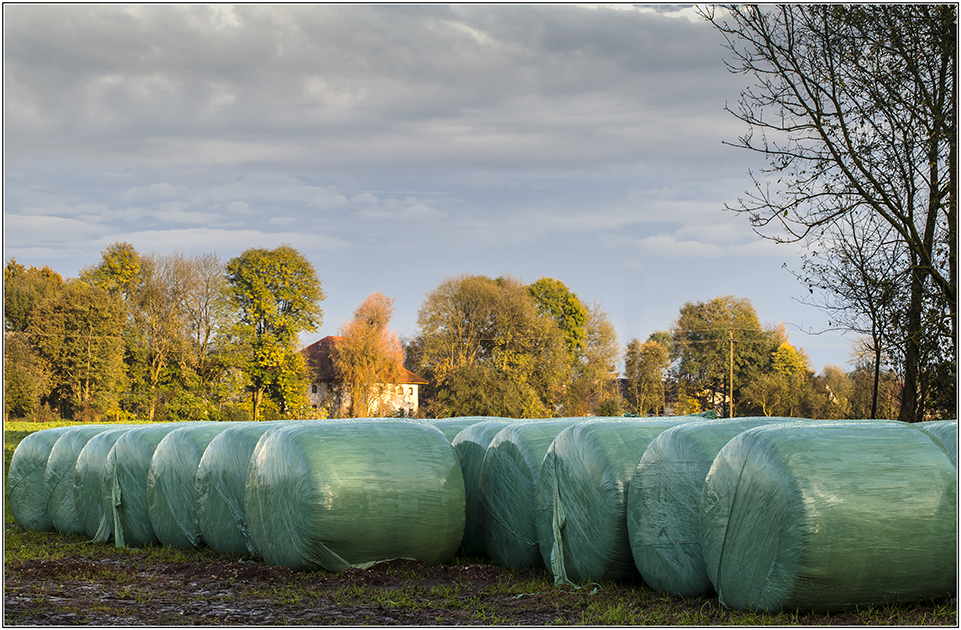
(113, 588)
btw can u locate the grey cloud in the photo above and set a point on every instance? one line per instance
(495, 85)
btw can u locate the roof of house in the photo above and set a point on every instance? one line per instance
(318, 358)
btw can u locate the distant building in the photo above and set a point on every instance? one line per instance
(326, 390)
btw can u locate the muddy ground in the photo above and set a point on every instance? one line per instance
(135, 590)
(131, 593)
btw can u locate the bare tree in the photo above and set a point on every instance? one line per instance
(854, 107)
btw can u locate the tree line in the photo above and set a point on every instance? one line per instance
(175, 337)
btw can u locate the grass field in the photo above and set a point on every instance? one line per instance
(52, 579)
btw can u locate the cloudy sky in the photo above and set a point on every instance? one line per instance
(396, 146)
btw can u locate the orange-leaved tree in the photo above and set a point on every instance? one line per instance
(368, 358)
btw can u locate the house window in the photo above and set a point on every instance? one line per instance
(313, 388)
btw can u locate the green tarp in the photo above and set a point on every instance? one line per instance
(581, 499)
(945, 432)
(88, 484)
(508, 480)
(58, 478)
(470, 445)
(450, 427)
(830, 516)
(171, 481)
(663, 503)
(125, 483)
(219, 487)
(28, 467)
(339, 494)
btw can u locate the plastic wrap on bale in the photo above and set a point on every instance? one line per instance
(339, 494)
(470, 445)
(450, 427)
(506, 487)
(58, 478)
(88, 483)
(663, 503)
(125, 483)
(28, 466)
(171, 481)
(945, 432)
(219, 487)
(581, 498)
(826, 516)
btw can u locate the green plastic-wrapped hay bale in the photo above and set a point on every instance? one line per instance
(581, 499)
(664, 498)
(125, 483)
(945, 432)
(28, 466)
(829, 516)
(506, 487)
(450, 427)
(88, 483)
(220, 483)
(58, 477)
(171, 480)
(470, 445)
(339, 494)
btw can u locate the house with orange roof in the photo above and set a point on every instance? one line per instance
(326, 391)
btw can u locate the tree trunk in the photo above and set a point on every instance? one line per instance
(257, 397)
(912, 348)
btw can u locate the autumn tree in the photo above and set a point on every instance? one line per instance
(783, 390)
(556, 301)
(594, 386)
(486, 350)
(275, 295)
(77, 334)
(702, 337)
(23, 289)
(644, 368)
(855, 108)
(368, 357)
(24, 378)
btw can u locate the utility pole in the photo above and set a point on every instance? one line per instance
(730, 382)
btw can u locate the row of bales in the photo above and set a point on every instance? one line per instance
(768, 513)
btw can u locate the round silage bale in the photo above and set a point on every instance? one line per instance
(171, 481)
(219, 487)
(945, 432)
(829, 516)
(339, 494)
(506, 486)
(88, 484)
(470, 445)
(450, 427)
(28, 466)
(58, 477)
(663, 503)
(125, 483)
(581, 498)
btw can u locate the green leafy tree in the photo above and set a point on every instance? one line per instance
(23, 288)
(77, 334)
(118, 272)
(368, 357)
(276, 295)
(24, 379)
(644, 368)
(701, 338)
(555, 300)
(594, 386)
(478, 332)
